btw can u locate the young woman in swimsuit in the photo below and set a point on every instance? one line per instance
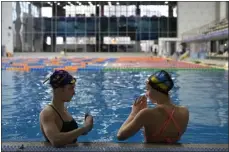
(165, 123)
(56, 123)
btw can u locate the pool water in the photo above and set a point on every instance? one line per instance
(108, 96)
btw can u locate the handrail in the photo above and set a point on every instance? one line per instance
(200, 27)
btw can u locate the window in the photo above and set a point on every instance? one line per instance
(59, 40)
(24, 9)
(35, 11)
(175, 11)
(80, 40)
(46, 11)
(157, 10)
(116, 40)
(48, 40)
(83, 10)
(14, 14)
(119, 10)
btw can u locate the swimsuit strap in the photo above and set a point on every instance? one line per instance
(56, 112)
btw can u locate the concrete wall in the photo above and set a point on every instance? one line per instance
(7, 25)
(194, 14)
(223, 10)
(227, 13)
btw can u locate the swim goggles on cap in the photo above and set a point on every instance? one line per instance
(161, 81)
(60, 78)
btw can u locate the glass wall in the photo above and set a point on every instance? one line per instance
(24, 10)
(78, 25)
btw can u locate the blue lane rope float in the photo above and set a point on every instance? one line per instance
(102, 68)
(92, 64)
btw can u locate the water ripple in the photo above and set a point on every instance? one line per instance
(108, 96)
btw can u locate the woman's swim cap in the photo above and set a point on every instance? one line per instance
(60, 78)
(161, 81)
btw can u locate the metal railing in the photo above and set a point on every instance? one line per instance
(205, 29)
(198, 30)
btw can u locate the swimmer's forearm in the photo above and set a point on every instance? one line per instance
(123, 127)
(128, 120)
(64, 138)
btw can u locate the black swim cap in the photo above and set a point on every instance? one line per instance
(60, 78)
(161, 81)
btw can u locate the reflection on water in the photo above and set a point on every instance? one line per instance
(108, 97)
(206, 96)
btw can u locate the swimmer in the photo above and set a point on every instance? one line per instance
(56, 123)
(165, 123)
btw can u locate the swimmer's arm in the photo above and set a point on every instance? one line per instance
(56, 137)
(132, 125)
(128, 120)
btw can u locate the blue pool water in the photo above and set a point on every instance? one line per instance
(108, 96)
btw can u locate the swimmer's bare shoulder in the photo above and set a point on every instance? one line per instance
(47, 115)
(159, 109)
(47, 112)
(183, 110)
(180, 109)
(57, 138)
(183, 113)
(147, 114)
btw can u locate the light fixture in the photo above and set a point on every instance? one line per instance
(90, 3)
(117, 3)
(166, 2)
(49, 3)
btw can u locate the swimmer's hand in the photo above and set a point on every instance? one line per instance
(139, 104)
(88, 123)
(86, 114)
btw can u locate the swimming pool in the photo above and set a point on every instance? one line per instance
(108, 96)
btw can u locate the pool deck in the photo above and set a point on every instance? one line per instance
(211, 62)
(118, 145)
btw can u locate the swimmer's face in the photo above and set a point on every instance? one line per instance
(68, 92)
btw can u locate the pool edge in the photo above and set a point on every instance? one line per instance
(119, 145)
